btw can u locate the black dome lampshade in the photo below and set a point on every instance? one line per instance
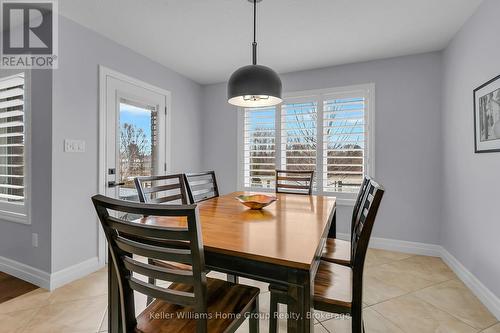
(254, 85)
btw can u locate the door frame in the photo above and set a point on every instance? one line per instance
(104, 73)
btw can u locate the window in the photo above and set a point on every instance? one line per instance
(328, 131)
(299, 136)
(259, 147)
(12, 147)
(343, 143)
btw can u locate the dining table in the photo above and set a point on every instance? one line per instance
(279, 244)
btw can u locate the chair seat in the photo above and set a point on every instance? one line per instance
(222, 298)
(337, 251)
(332, 286)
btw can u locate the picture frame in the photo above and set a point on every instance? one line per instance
(487, 117)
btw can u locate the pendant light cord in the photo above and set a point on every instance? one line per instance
(254, 44)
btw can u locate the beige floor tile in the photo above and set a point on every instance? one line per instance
(492, 329)
(321, 316)
(377, 289)
(455, 298)
(264, 287)
(414, 315)
(374, 323)
(264, 327)
(104, 323)
(264, 302)
(431, 268)
(403, 276)
(14, 322)
(318, 328)
(92, 285)
(140, 302)
(217, 275)
(33, 299)
(376, 257)
(77, 316)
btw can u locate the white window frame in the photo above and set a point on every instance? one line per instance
(366, 90)
(13, 212)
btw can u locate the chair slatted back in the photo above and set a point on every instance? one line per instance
(201, 186)
(365, 219)
(356, 211)
(161, 189)
(127, 240)
(297, 182)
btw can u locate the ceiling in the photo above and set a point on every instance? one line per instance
(206, 40)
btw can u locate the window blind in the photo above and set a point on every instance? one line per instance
(259, 152)
(12, 134)
(343, 144)
(299, 136)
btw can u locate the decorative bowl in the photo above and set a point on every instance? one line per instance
(256, 201)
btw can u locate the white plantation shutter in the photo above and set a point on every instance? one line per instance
(343, 143)
(12, 135)
(299, 136)
(259, 147)
(327, 131)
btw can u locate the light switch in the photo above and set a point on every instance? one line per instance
(74, 146)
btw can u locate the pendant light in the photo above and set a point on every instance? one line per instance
(254, 85)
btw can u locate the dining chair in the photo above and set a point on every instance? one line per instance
(296, 182)
(161, 189)
(339, 288)
(193, 302)
(201, 186)
(337, 250)
(292, 182)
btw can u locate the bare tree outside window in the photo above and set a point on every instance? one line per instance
(135, 153)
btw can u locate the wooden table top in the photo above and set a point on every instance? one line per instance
(287, 232)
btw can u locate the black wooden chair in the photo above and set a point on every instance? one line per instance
(161, 189)
(337, 250)
(297, 182)
(201, 300)
(201, 186)
(339, 288)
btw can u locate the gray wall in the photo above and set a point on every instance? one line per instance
(408, 139)
(75, 115)
(15, 238)
(471, 223)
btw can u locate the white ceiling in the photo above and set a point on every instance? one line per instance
(206, 40)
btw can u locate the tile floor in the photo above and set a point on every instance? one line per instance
(403, 293)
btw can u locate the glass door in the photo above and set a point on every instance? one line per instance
(138, 146)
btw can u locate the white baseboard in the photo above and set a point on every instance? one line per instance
(46, 280)
(486, 296)
(490, 300)
(401, 246)
(75, 272)
(24, 272)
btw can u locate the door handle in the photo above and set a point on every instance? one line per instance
(115, 184)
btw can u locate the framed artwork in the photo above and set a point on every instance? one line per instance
(487, 117)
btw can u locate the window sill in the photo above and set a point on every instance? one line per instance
(14, 217)
(343, 199)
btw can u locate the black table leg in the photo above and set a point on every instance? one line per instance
(332, 232)
(300, 303)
